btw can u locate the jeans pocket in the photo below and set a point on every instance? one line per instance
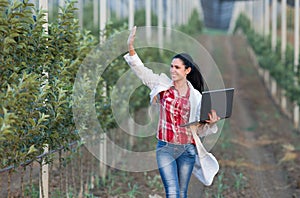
(191, 149)
(161, 144)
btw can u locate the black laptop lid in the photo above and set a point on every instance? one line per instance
(220, 100)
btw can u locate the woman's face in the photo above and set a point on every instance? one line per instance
(177, 70)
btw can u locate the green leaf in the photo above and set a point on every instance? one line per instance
(42, 118)
(6, 132)
(8, 41)
(15, 34)
(32, 149)
(32, 122)
(3, 29)
(16, 5)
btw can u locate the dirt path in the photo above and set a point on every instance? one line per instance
(256, 129)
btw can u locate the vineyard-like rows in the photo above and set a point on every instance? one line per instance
(38, 68)
(37, 74)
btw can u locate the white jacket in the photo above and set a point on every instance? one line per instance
(161, 82)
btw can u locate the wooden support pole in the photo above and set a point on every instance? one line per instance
(168, 18)
(96, 12)
(261, 17)
(103, 155)
(118, 9)
(174, 12)
(296, 61)
(160, 24)
(131, 14)
(296, 33)
(274, 25)
(283, 50)
(148, 20)
(103, 144)
(283, 30)
(44, 177)
(43, 5)
(80, 13)
(266, 18)
(103, 19)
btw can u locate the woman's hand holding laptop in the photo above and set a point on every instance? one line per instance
(213, 117)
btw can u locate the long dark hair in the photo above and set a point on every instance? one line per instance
(195, 76)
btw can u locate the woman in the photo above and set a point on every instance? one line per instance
(180, 99)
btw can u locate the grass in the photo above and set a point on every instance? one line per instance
(221, 186)
(134, 191)
(32, 191)
(225, 137)
(154, 182)
(240, 181)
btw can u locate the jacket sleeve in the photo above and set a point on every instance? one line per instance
(147, 76)
(207, 129)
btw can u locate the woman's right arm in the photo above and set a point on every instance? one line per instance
(147, 76)
(130, 41)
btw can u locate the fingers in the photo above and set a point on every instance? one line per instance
(213, 117)
(131, 36)
(133, 30)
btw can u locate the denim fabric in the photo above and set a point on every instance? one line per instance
(175, 163)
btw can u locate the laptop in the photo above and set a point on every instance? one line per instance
(220, 100)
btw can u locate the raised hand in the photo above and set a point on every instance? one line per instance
(130, 41)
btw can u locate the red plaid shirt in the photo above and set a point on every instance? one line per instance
(174, 111)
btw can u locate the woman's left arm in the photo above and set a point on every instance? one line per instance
(210, 127)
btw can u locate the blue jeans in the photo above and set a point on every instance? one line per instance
(175, 163)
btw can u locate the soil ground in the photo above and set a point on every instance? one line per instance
(258, 149)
